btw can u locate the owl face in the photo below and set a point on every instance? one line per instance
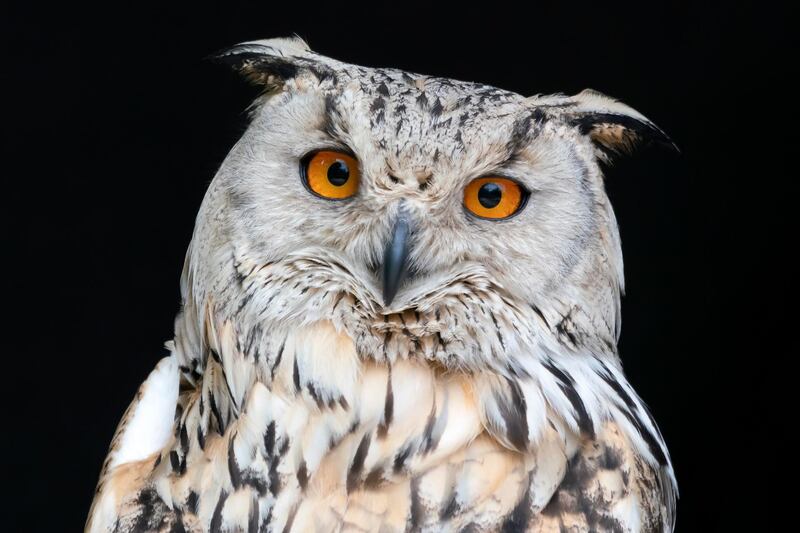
(417, 194)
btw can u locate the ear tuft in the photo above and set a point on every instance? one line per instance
(613, 126)
(270, 62)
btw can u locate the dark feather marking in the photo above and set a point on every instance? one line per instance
(254, 333)
(258, 68)
(357, 465)
(639, 130)
(649, 438)
(177, 525)
(184, 440)
(541, 315)
(284, 446)
(443, 343)
(611, 459)
(315, 395)
(343, 403)
(296, 376)
(574, 496)
(175, 461)
(560, 375)
(216, 519)
(378, 109)
(191, 502)
(388, 408)
(614, 384)
(386, 337)
(302, 475)
(267, 520)
(563, 328)
(539, 116)
(436, 108)
(245, 300)
(277, 359)
(324, 73)
(152, 511)
(519, 136)
(274, 477)
(201, 439)
(256, 481)
(374, 478)
(415, 512)
(578, 474)
(217, 415)
(233, 467)
(584, 420)
(521, 515)
(401, 457)
(567, 385)
(338, 300)
(450, 508)
(269, 439)
(428, 442)
(332, 118)
(497, 330)
(253, 517)
(515, 415)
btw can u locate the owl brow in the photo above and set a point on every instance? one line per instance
(332, 123)
(521, 134)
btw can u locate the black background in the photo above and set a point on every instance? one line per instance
(117, 125)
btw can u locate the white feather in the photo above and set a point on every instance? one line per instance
(150, 426)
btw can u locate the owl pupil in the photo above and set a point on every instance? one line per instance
(489, 195)
(338, 173)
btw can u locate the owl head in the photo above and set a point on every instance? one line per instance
(423, 216)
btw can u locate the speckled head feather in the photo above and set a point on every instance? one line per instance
(485, 393)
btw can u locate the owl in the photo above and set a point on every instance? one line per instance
(400, 312)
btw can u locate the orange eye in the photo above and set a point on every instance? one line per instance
(493, 197)
(331, 175)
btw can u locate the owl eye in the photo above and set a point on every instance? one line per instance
(329, 174)
(494, 197)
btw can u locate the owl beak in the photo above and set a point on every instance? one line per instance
(395, 258)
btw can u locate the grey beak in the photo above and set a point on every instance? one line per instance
(395, 258)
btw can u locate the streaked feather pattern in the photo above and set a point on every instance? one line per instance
(334, 443)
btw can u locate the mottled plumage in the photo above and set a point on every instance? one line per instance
(487, 396)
